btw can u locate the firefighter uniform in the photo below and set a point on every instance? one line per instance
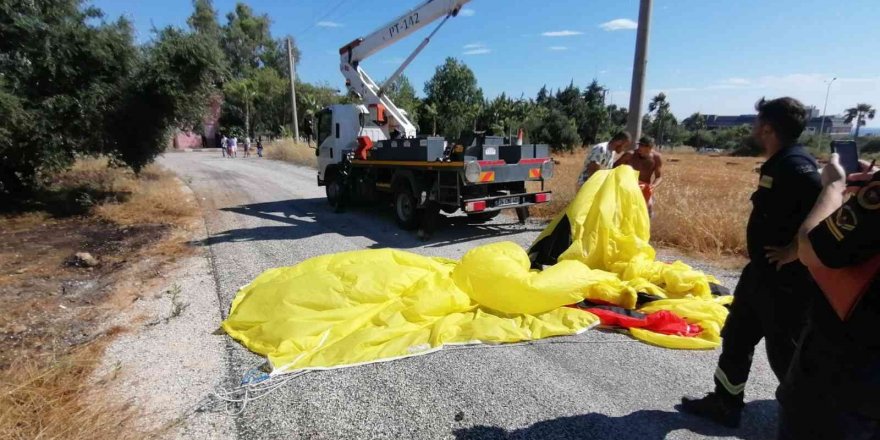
(770, 303)
(832, 390)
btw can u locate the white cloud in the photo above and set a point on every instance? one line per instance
(557, 48)
(619, 24)
(480, 51)
(328, 24)
(565, 33)
(474, 46)
(467, 12)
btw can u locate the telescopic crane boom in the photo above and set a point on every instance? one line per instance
(352, 54)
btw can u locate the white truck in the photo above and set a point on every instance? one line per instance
(371, 150)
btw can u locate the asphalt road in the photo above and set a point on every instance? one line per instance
(262, 214)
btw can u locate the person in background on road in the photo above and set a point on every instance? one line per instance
(774, 289)
(233, 146)
(605, 156)
(832, 390)
(247, 146)
(308, 130)
(649, 164)
(224, 145)
(260, 146)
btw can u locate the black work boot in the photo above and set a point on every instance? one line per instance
(721, 409)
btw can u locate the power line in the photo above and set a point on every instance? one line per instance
(321, 18)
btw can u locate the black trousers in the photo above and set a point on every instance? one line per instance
(766, 305)
(826, 395)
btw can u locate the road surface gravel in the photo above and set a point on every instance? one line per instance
(262, 214)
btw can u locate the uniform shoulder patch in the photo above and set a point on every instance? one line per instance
(869, 196)
(766, 181)
(846, 218)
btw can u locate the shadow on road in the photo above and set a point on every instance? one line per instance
(759, 423)
(309, 217)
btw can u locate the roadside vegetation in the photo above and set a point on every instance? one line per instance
(57, 301)
(288, 150)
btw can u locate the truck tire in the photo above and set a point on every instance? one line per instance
(522, 214)
(482, 217)
(335, 192)
(405, 208)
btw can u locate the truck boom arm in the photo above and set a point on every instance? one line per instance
(360, 49)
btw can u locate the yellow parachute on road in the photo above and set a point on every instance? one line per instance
(377, 305)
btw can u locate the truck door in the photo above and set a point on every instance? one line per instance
(326, 141)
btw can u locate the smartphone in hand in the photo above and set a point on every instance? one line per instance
(849, 155)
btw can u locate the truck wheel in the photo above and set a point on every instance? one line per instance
(449, 209)
(482, 217)
(335, 192)
(522, 214)
(405, 208)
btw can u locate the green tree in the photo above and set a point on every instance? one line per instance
(61, 67)
(557, 130)
(204, 19)
(860, 114)
(660, 107)
(454, 92)
(402, 92)
(247, 41)
(171, 88)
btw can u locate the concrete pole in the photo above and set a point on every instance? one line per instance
(290, 61)
(640, 66)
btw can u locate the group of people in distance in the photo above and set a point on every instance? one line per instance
(617, 152)
(810, 289)
(229, 146)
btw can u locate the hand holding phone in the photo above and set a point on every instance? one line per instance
(849, 155)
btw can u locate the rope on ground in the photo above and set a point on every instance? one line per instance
(252, 388)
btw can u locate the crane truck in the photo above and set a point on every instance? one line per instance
(370, 150)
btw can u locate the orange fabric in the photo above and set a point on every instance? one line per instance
(647, 191)
(844, 287)
(364, 145)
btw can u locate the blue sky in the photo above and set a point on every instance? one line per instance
(715, 57)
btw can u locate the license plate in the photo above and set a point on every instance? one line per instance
(507, 201)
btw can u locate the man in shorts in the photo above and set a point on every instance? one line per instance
(649, 164)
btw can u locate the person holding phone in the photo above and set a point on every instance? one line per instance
(832, 390)
(774, 290)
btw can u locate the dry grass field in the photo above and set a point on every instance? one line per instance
(290, 151)
(53, 309)
(701, 207)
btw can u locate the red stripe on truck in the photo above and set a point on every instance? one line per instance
(533, 161)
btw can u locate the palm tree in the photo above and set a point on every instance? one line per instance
(660, 107)
(431, 111)
(859, 113)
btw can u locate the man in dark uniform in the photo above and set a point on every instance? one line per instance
(772, 295)
(832, 390)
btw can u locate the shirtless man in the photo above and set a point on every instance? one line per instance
(648, 163)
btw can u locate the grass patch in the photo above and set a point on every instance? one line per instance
(54, 396)
(51, 328)
(290, 151)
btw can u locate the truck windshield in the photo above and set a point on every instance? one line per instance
(325, 121)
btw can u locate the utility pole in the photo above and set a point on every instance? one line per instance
(824, 109)
(640, 65)
(290, 61)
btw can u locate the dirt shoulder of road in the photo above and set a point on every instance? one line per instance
(84, 268)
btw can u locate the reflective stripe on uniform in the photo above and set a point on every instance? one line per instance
(725, 382)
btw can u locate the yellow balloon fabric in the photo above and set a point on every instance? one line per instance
(377, 305)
